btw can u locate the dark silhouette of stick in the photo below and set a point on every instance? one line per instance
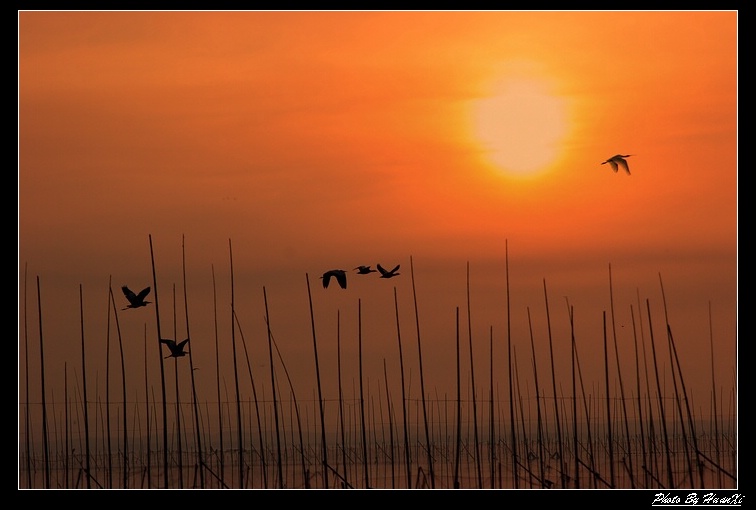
(324, 461)
(431, 472)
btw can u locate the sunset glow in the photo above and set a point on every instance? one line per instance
(520, 126)
(229, 159)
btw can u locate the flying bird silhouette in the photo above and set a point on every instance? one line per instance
(340, 276)
(618, 161)
(177, 350)
(365, 270)
(388, 274)
(135, 300)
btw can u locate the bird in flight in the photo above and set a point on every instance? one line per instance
(388, 274)
(340, 276)
(364, 270)
(177, 350)
(135, 300)
(618, 161)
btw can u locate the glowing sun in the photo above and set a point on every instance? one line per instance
(519, 125)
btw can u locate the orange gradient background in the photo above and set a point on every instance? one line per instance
(291, 143)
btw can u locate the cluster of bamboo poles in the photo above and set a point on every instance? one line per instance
(575, 441)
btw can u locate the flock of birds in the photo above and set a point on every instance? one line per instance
(177, 349)
(341, 275)
(137, 301)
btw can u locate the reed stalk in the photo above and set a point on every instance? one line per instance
(123, 386)
(491, 421)
(677, 372)
(622, 388)
(87, 463)
(691, 423)
(236, 373)
(257, 406)
(275, 400)
(644, 458)
(67, 425)
(303, 458)
(162, 370)
(458, 441)
(365, 460)
(147, 415)
(178, 401)
(573, 361)
(539, 417)
(513, 431)
(610, 439)
(553, 385)
(45, 440)
(524, 436)
(107, 391)
(389, 408)
(374, 446)
(324, 461)
(407, 453)
(27, 421)
(345, 474)
(479, 469)
(197, 429)
(221, 458)
(662, 416)
(98, 447)
(653, 465)
(714, 399)
(431, 472)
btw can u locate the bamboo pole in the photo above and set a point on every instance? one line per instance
(389, 408)
(662, 416)
(236, 374)
(644, 459)
(513, 430)
(179, 457)
(458, 427)
(324, 461)
(147, 414)
(296, 408)
(553, 385)
(429, 446)
(691, 422)
(592, 466)
(407, 453)
(197, 429)
(221, 457)
(345, 474)
(107, 392)
(67, 424)
(478, 466)
(491, 421)
(573, 354)
(87, 462)
(45, 440)
(162, 371)
(27, 421)
(365, 460)
(622, 388)
(273, 387)
(123, 388)
(257, 407)
(610, 439)
(715, 416)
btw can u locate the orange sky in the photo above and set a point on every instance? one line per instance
(321, 140)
